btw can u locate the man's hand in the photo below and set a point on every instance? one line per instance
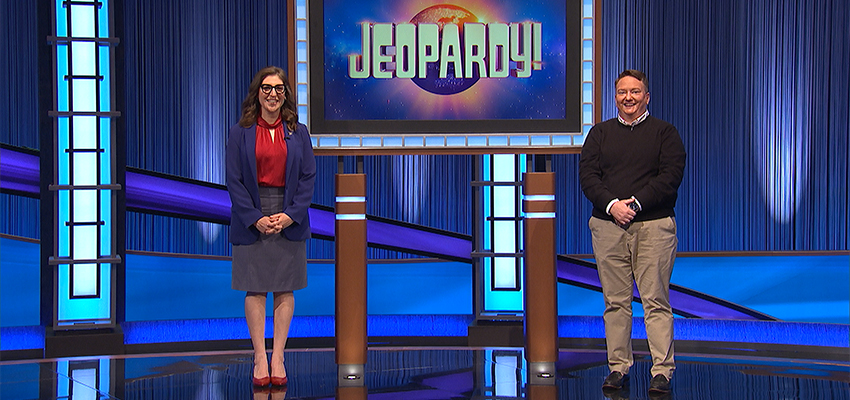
(622, 212)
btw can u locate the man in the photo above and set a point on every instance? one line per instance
(630, 169)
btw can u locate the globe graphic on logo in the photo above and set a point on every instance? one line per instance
(441, 15)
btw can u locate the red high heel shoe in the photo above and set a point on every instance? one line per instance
(277, 381)
(261, 381)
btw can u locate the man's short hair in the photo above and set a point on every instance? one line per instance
(634, 74)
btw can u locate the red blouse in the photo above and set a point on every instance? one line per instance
(271, 155)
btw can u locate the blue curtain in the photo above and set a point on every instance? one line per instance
(186, 67)
(758, 90)
(20, 114)
(434, 191)
(19, 44)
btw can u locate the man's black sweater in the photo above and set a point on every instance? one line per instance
(646, 161)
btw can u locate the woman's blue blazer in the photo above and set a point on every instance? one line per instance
(241, 179)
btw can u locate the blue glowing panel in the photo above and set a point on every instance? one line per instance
(61, 72)
(63, 157)
(84, 162)
(103, 20)
(83, 310)
(105, 144)
(63, 230)
(502, 234)
(105, 83)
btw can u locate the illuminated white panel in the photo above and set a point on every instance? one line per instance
(85, 169)
(587, 112)
(301, 29)
(301, 75)
(84, 98)
(85, 132)
(504, 198)
(301, 9)
(503, 170)
(85, 280)
(586, 28)
(82, 21)
(82, 55)
(504, 236)
(85, 242)
(85, 205)
(301, 49)
(504, 273)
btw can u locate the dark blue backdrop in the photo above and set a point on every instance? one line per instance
(757, 89)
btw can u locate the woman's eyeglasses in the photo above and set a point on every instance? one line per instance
(268, 89)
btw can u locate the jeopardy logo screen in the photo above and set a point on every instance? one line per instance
(462, 60)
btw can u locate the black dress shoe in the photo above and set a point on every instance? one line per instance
(659, 384)
(618, 394)
(615, 380)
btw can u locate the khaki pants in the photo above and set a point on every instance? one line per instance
(643, 254)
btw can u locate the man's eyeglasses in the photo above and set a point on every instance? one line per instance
(268, 89)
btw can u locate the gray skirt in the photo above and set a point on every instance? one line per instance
(273, 263)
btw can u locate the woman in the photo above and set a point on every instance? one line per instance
(270, 175)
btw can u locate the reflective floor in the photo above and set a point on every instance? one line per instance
(415, 373)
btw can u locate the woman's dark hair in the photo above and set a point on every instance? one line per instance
(251, 104)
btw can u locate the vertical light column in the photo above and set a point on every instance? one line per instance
(302, 94)
(84, 253)
(499, 245)
(350, 265)
(589, 113)
(541, 303)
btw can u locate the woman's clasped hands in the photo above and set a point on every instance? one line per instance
(273, 224)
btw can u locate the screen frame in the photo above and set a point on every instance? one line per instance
(571, 124)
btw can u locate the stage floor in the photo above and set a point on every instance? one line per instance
(416, 373)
